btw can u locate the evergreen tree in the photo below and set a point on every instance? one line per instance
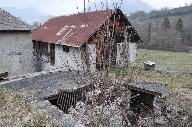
(166, 24)
(179, 25)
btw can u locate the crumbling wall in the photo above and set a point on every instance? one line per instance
(65, 60)
(16, 53)
(71, 59)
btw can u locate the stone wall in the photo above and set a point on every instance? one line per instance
(16, 53)
(65, 60)
(71, 59)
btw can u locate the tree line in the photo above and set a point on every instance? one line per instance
(166, 33)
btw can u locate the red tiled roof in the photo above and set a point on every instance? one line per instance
(71, 30)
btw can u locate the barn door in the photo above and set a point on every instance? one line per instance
(52, 54)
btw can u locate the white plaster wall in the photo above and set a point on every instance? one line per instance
(132, 53)
(92, 56)
(119, 59)
(71, 60)
(16, 53)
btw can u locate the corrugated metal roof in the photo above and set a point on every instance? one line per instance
(11, 23)
(71, 30)
(151, 87)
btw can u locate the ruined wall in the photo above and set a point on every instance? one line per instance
(16, 53)
(71, 59)
(65, 60)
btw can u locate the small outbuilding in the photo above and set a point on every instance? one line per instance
(15, 45)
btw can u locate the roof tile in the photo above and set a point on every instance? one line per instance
(10, 23)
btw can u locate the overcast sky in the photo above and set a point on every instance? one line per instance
(167, 3)
(58, 7)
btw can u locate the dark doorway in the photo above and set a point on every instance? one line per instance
(40, 52)
(53, 101)
(52, 54)
(141, 103)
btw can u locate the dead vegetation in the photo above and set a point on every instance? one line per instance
(108, 104)
(177, 82)
(113, 106)
(15, 111)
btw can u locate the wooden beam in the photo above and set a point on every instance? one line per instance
(145, 91)
(51, 97)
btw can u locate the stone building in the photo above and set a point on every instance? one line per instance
(91, 40)
(15, 45)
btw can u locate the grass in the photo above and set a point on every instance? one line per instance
(177, 82)
(180, 63)
(166, 61)
(16, 112)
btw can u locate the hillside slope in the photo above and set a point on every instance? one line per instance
(181, 11)
(127, 6)
(150, 27)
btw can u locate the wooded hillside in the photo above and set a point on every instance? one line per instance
(167, 29)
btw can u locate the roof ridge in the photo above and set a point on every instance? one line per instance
(82, 13)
